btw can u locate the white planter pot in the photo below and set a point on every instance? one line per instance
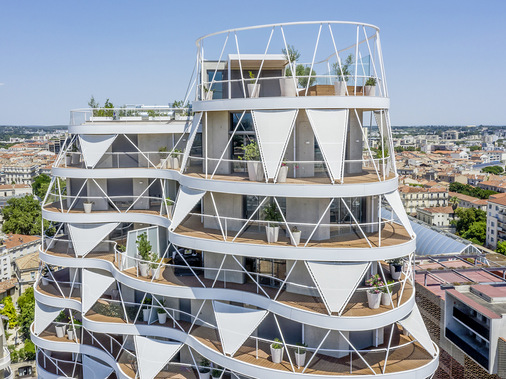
(155, 273)
(60, 331)
(300, 359)
(162, 318)
(70, 334)
(209, 95)
(143, 269)
(283, 173)
(374, 300)
(395, 272)
(68, 160)
(295, 238)
(174, 163)
(87, 207)
(45, 281)
(145, 314)
(370, 90)
(340, 88)
(205, 375)
(256, 91)
(170, 208)
(276, 355)
(385, 299)
(287, 86)
(255, 171)
(272, 233)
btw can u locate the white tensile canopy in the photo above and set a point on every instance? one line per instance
(93, 147)
(153, 355)
(85, 237)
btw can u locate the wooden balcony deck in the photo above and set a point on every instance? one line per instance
(391, 234)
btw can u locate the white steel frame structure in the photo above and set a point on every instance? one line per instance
(264, 207)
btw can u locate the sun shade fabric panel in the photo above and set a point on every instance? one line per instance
(337, 282)
(153, 355)
(273, 129)
(192, 133)
(416, 327)
(94, 146)
(394, 199)
(95, 370)
(94, 285)
(235, 324)
(44, 315)
(187, 198)
(85, 237)
(330, 128)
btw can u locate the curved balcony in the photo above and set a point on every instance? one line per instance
(285, 297)
(406, 356)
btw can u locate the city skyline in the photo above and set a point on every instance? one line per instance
(56, 62)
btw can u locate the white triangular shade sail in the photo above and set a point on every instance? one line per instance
(93, 147)
(94, 285)
(192, 133)
(153, 355)
(44, 315)
(95, 370)
(187, 198)
(416, 327)
(235, 324)
(394, 199)
(337, 282)
(330, 127)
(85, 237)
(273, 129)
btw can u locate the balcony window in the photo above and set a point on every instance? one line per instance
(217, 88)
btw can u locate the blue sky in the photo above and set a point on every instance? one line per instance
(444, 60)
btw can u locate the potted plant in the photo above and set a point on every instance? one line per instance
(277, 351)
(70, 332)
(174, 159)
(45, 275)
(170, 206)
(370, 87)
(343, 75)
(208, 93)
(60, 329)
(254, 91)
(283, 173)
(272, 215)
(385, 297)
(162, 152)
(295, 237)
(68, 159)
(144, 251)
(88, 205)
(374, 293)
(395, 268)
(254, 166)
(288, 85)
(217, 372)
(76, 157)
(146, 309)
(300, 354)
(204, 369)
(162, 315)
(154, 265)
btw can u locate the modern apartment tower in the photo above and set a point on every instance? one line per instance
(257, 233)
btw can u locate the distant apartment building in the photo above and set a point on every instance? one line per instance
(25, 270)
(22, 173)
(469, 201)
(436, 216)
(418, 197)
(450, 135)
(463, 304)
(14, 247)
(496, 220)
(497, 185)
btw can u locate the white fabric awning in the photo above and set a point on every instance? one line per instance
(153, 355)
(273, 129)
(192, 133)
(85, 237)
(95, 370)
(44, 315)
(93, 147)
(187, 198)
(235, 324)
(330, 127)
(394, 199)
(416, 327)
(337, 282)
(94, 286)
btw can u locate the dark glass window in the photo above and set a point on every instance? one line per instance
(216, 87)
